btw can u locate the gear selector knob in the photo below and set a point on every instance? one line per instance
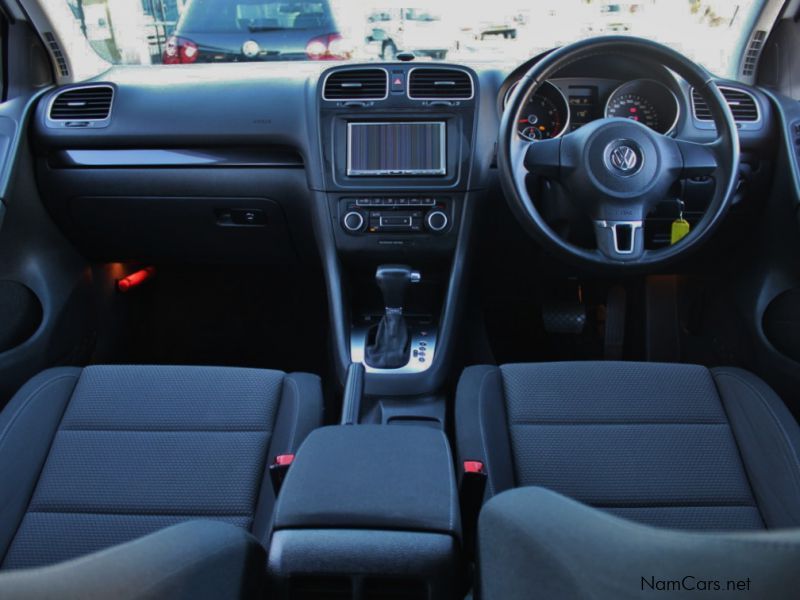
(393, 281)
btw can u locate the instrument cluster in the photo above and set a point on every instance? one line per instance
(563, 105)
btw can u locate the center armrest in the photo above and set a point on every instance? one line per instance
(371, 477)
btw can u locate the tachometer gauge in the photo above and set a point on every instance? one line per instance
(540, 119)
(634, 107)
(645, 100)
(544, 115)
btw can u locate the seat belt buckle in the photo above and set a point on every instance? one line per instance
(473, 487)
(278, 470)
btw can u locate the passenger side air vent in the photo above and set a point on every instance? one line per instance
(751, 56)
(439, 84)
(356, 84)
(743, 105)
(91, 103)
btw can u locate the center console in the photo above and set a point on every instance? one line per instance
(370, 512)
(397, 145)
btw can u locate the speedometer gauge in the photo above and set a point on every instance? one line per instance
(634, 107)
(647, 101)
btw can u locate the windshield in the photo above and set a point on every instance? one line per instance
(504, 31)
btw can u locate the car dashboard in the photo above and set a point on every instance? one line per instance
(361, 164)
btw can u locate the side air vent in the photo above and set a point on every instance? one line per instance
(439, 84)
(58, 56)
(356, 84)
(82, 105)
(751, 56)
(743, 105)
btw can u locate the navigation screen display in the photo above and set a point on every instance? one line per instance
(396, 148)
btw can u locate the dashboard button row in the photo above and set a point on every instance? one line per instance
(373, 202)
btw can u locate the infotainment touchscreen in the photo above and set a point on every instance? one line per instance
(399, 148)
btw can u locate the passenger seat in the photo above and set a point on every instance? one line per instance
(95, 457)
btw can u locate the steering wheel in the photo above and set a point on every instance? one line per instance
(617, 170)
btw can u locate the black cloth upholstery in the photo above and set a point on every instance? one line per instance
(534, 542)
(371, 477)
(94, 457)
(205, 560)
(667, 445)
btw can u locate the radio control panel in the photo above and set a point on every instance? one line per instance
(389, 214)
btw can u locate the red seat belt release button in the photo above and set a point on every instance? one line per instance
(278, 470)
(473, 487)
(474, 466)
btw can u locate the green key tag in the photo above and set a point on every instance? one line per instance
(680, 229)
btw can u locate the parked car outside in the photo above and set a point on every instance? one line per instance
(255, 30)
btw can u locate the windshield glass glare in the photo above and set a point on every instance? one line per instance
(507, 31)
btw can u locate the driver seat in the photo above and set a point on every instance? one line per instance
(666, 445)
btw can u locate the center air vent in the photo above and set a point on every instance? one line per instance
(439, 84)
(357, 84)
(83, 104)
(743, 105)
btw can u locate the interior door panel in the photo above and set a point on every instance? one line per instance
(43, 280)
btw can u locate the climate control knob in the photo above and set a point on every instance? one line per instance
(436, 220)
(353, 221)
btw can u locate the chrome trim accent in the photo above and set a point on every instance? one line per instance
(734, 89)
(634, 225)
(382, 224)
(448, 68)
(672, 128)
(567, 122)
(354, 68)
(442, 170)
(162, 158)
(360, 224)
(358, 343)
(60, 122)
(434, 212)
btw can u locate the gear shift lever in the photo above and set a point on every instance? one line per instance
(390, 348)
(393, 281)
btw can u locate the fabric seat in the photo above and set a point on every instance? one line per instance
(535, 543)
(666, 445)
(94, 457)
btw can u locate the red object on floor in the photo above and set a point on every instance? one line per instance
(135, 279)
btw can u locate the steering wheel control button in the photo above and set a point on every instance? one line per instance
(437, 221)
(624, 157)
(353, 221)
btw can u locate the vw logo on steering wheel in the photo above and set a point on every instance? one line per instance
(624, 158)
